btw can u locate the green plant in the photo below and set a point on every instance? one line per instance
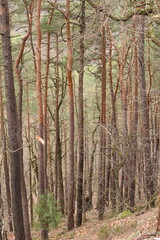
(124, 214)
(107, 231)
(104, 232)
(47, 215)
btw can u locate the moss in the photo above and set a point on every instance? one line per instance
(111, 215)
(124, 214)
(107, 231)
(133, 224)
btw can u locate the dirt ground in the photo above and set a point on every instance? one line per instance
(134, 227)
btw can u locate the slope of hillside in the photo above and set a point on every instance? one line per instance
(133, 227)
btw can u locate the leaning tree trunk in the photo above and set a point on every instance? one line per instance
(80, 120)
(12, 119)
(70, 215)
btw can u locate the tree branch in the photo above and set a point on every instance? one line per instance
(126, 16)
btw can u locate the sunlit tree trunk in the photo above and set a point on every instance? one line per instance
(13, 127)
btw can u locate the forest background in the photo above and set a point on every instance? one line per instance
(79, 110)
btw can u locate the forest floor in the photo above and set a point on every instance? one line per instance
(137, 226)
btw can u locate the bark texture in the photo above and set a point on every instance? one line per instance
(12, 119)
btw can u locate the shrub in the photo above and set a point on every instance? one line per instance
(47, 215)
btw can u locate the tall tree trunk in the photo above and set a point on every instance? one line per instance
(70, 223)
(12, 119)
(80, 120)
(29, 153)
(149, 184)
(20, 105)
(45, 127)
(5, 160)
(124, 100)
(41, 163)
(102, 160)
(58, 150)
(114, 177)
(133, 126)
(1, 213)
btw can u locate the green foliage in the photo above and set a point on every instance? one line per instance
(104, 232)
(124, 214)
(107, 231)
(111, 215)
(47, 214)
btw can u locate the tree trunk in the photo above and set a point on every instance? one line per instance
(5, 160)
(45, 127)
(29, 154)
(20, 106)
(70, 223)
(13, 128)
(41, 163)
(80, 120)
(133, 128)
(102, 161)
(90, 178)
(149, 184)
(58, 150)
(114, 176)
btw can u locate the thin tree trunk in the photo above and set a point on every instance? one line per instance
(90, 178)
(149, 185)
(124, 182)
(13, 128)
(58, 150)
(29, 153)
(114, 177)
(80, 120)
(133, 131)
(102, 161)
(70, 223)
(41, 163)
(45, 127)
(1, 209)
